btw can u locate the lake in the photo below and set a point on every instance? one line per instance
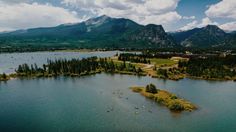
(104, 102)
(10, 61)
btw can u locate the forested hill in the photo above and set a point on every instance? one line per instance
(107, 32)
(101, 32)
(231, 40)
(205, 37)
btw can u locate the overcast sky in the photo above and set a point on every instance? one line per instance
(172, 14)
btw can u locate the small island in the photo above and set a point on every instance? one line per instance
(165, 98)
(4, 77)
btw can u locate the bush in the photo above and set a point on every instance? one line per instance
(151, 88)
(162, 72)
(174, 97)
(175, 106)
(4, 76)
(159, 100)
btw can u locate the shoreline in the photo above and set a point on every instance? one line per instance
(70, 50)
(13, 76)
(127, 68)
(196, 78)
(66, 50)
(165, 98)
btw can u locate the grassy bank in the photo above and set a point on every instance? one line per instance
(48, 75)
(167, 99)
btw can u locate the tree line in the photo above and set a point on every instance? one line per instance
(75, 67)
(133, 58)
(211, 67)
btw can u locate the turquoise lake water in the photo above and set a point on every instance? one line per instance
(104, 102)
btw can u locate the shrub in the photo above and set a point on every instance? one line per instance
(175, 106)
(151, 88)
(162, 72)
(4, 76)
(159, 100)
(174, 97)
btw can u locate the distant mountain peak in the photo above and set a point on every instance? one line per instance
(98, 20)
(103, 16)
(209, 36)
(214, 30)
(99, 32)
(153, 26)
(212, 26)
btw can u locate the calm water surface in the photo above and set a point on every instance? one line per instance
(104, 102)
(10, 61)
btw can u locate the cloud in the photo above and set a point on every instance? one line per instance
(23, 15)
(204, 22)
(161, 19)
(161, 6)
(223, 9)
(189, 17)
(190, 25)
(230, 26)
(15, 1)
(141, 11)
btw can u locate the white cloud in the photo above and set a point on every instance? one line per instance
(230, 26)
(189, 17)
(207, 21)
(190, 25)
(15, 1)
(141, 11)
(204, 22)
(23, 15)
(160, 6)
(161, 19)
(223, 9)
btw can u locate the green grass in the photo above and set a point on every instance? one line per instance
(167, 99)
(167, 62)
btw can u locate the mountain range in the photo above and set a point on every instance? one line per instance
(107, 32)
(206, 37)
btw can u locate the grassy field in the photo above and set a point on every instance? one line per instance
(148, 68)
(154, 61)
(137, 65)
(163, 62)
